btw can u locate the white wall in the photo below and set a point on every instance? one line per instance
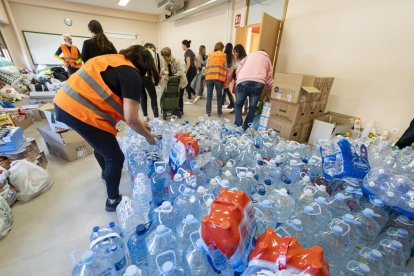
(258, 7)
(366, 45)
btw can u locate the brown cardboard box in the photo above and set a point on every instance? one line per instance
(305, 132)
(36, 114)
(313, 111)
(284, 129)
(23, 121)
(329, 125)
(294, 88)
(68, 145)
(48, 111)
(292, 113)
(324, 104)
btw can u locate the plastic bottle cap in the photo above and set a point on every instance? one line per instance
(131, 270)
(278, 157)
(268, 182)
(297, 222)
(159, 169)
(187, 191)
(337, 230)
(189, 218)
(402, 232)
(258, 156)
(312, 161)
(396, 245)
(167, 267)
(381, 171)
(199, 244)
(166, 205)
(249, 174)
(390, 194)
(160, 229)
(87, 256)
(368, 212)
(293, 162)
(321, 200)
(308, 192)
(111, 224)
(306, 178)
(283, 192)
(348, 217)
(377, 202)
(267, 202)
(375, 254)
(95, 229)
(178, 177)
(272, 161)
(340, 196)
(141, 229)
(400, 181)
(296, 154)
(363, 268)
(371, 184)
(322, 188)
(308, 209)
(201, 189)
(227, 173)
(209, 201)
(261, 191)
(242, 174)
(349, 189)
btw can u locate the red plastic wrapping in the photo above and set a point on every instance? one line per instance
(287, 253)
(189, 143)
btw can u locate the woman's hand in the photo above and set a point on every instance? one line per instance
(151, 139)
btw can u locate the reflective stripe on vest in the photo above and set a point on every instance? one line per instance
(86, 96)
(70, 56)
(215, 69)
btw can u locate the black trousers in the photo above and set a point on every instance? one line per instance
(407, 139)
(181, 100)
(106, 150)
(227, 93)
(72, 70)
(191, 73)
(150, 89)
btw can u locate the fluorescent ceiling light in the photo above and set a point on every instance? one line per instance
(123, 2)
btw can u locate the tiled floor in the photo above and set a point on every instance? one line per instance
(47, 228)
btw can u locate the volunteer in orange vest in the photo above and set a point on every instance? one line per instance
(216, 72)
(71, 55)
(106, 90)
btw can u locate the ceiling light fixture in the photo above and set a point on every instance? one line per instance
(123, 3)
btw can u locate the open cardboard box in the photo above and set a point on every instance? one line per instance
(68, 145)
(49, 112)
(330, 125)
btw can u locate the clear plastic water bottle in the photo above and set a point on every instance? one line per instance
(90, 264)
(335, 245)
(219, 261)
(212, 169)
(195, 260)
(283, 203)
(142, 187)
(244, 183)
(201, 178)
(134, 270)
(369, 226)
(112, 227)
(139, 164)
(311, 219)
(313, 168)
(265, 215)
(223, 184)
(296, 189)
(374, 259)
(355, 198)
(339, 206)
(394, 259)
(257, 191)
(333, 163)
(167, 264)
(377, 205)
(321, 192)
(404, 222)
(137, 246)
(95, 233)
(183, 230)
(160, 183)
(228, 175)
(356, 268)
(354, 232)
(110, 247)
(245, 159)
(291, 172)
(401, 235)
(187, 203)
(294, 228)
(326, 214)
(143, 212)
(158, 242)
(201, 192)
(166, 215)
(306, 198)
(174, 189)
(273, 174)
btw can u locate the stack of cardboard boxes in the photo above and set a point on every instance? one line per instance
(296, 101)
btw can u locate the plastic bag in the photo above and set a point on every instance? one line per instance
(6, 218)
(29, 179)
(9, 92)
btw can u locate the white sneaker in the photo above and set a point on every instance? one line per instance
(196, 99)
(188, 102)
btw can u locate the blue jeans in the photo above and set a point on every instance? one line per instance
(219, 90)
(253, 91)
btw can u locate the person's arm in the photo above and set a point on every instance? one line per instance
(239, 68)
(187, 63)
(131, 108)
(85, 52)
(57, 55)
(79, 60)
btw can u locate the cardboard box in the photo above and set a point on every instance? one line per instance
(305, 132)
(284, 129)
(49, 112)
(68, 145)
(23, 121)
(315, 110)
(292, 113)
(36, 114)
(330, 125)
(294, 88)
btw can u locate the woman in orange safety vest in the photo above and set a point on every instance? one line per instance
(71, 55)
(216, 73)
(106, 90)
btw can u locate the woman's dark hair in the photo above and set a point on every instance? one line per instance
(229, 54)
(218, 47)
(186, 43)
(202, 47)
(166, 52)
(239, 49)
(149, 45)
(100, 38)
(143, 60)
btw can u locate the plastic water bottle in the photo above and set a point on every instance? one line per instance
(139, 164)
(284, 204)
(219, 261)
(296, 189)
(311, 219)
(158, 242)
(306, 198)
(201, 178)
(142, 187)
(183, 230)
(174, 189)
(374, 259)
(137, 246)
(211, 169)
(404, 222)
(228, 175)
(110, 246)
(245, 160)
(326, 214)
(90, 264)
(356, 268)
(266, 215)
(95, 233)
(115, 228)
(166, 215)
(167, 264)
(195, 260)
(273, 174)
(354, 232)
(333, 163)
(321, 192)
(201, 192)
(187, 203)
(394, 259)
(160, 183)
(339, 206)
(223, 184)
(335, 245)
(291, 172)
(143, 211)
(133, 270)
(244, 183)
(401, 235)
(313, 168)
(257, 191)
(355, 198)
(369, 227)
(294, 228)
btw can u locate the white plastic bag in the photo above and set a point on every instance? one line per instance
(6, 218)
(29, 179)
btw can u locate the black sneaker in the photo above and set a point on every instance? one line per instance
(111, 204)
(230, 106)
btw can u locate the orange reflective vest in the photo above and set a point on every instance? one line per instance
(215, 69)
(71, 56)
(86, 97)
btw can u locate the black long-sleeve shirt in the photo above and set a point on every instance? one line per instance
(91, 50)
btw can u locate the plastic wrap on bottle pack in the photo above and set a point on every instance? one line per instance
(230, 227)
(273, 253)
(183, 147)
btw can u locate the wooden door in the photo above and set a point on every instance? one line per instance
(241, 36)
(269, 34)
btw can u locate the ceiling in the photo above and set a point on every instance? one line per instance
(141, 6)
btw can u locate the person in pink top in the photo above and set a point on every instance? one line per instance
(253, 74)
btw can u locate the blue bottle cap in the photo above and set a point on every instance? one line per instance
(111, 224)
(95, 229)
(268, 182)
(141, 229)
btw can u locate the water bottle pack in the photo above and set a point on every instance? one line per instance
(209, 199)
